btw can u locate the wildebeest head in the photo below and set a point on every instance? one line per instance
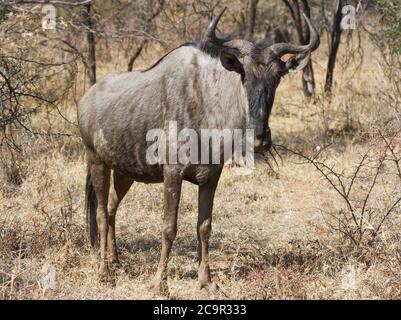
(261, 68)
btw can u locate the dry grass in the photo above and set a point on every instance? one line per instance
(271, 239)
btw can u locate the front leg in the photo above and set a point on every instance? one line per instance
(204, 229)
(172, 194)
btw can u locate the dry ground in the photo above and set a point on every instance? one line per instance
(270, 235)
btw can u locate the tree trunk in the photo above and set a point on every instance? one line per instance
(335, 44)
(308, 78)
(90, 38)
(251, 19)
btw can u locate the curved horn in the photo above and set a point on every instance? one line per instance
(211, 29)
(283, 48)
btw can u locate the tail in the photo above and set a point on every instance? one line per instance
(90, 208)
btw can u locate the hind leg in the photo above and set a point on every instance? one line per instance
(118, 190)
(101, 183)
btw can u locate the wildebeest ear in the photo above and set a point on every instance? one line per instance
(297, 62)
(230, 62)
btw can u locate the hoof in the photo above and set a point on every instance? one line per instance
(212, 289)
(115, 270)
(160, 287)
(114, 265)
(113, 259)
(103, 272)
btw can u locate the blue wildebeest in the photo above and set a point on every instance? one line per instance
(215, 83)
